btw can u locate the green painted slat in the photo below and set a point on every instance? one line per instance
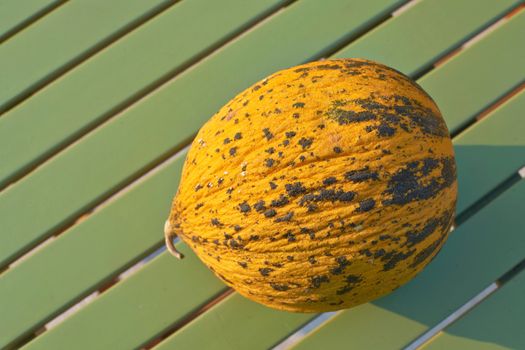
(76, 178)
(490, 151)
(487, 71)
(87, 255)
(163, 45)
(290, 17)
(496, 323)
(182, 286)
(475, 255)
(256, 328)
(413, 41)
(63, 36)
(15, 12)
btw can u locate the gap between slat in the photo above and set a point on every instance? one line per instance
(426, 337)
(143, 93)
(453, 317)
(53, 75)
(156, 340)
(32, 19)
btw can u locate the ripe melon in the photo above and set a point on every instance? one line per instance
(321, 187)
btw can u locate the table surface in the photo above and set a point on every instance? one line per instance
(100, 99)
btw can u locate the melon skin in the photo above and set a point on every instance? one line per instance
(321, 187)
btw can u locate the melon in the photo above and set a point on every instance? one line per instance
(320, 187)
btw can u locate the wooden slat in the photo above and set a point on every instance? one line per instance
(285, 22)
(106, 158)
(496, 323)
(87, 255)
(505, 146)
(14, 13)
(160, 47)
(182, 286)
(417, 38)
(61, 37)
(479, 82)
(475, 255)
(490, 151)
(257, 327)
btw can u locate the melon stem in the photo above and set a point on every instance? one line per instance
(168, 237)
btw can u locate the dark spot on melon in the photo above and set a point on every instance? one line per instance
(289, 236)
(308, 231)
(379, 253)
(305, 142)
(295, 189)
(316, 281)
(265, 271)
(353, 279)
(338, 150)
(270, 213)
(298, 105)
(411, 183)
(329, 67)
(233, 151)
(385, 130)
(366, 205)
(393, 258)
(267, 134)
(342, 264)
(244, 207)
(259, 206)
(329, 181)
(311, 207)
(216, 222)
(269, 162)
(279, 287)
(328, 195)
(361, 175)
(280, 202)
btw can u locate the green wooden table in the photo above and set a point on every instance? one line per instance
(99, 100)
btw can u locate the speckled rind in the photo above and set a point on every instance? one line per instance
(321, 187)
